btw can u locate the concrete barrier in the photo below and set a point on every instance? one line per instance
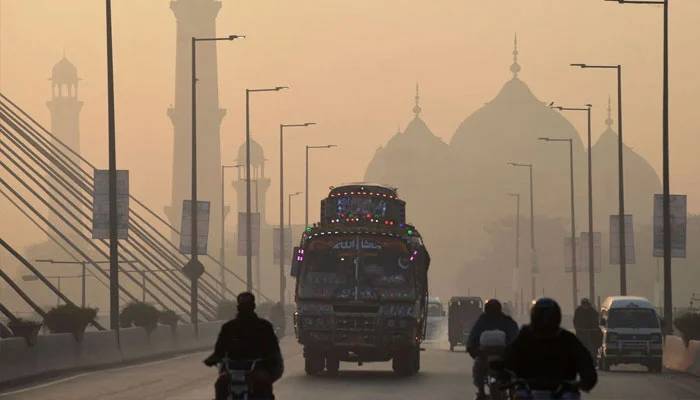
(694, 357)
(675, 354)
(61, 352)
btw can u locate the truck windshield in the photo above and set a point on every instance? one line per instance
(632, 318)
(327, 273)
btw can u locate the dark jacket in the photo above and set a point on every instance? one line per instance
(248, 337)
(585, 318)
(549, 360)
(488, 322)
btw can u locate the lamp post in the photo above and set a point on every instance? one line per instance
(516, 271)
(194, 268)
(533, 254)
(591, 260)
(82, 274)
(281, 249)
(283, 276)
(306, 186)
(573, 216)
(248, 225)
(222, 254)
(668, 295)
(620, 174)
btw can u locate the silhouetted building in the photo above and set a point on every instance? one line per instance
(641, 180)
(64, 104)
(416, 162)
(196, 18)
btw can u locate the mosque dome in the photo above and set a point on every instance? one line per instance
(505, 130)
(641, 180)
(257, 155)
(64, 72)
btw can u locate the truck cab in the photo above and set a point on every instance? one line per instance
(631, 333)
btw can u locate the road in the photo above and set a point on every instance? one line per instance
(444, 375)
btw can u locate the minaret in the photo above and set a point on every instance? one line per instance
(196, 18)
(416, 107)
(515, 67)
(64, 104)
(609, 120)
(65, 115)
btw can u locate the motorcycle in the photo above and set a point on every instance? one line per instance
(237, 372)
(520, 389)
(492, 345)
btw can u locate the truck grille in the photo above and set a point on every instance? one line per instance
(355, 323)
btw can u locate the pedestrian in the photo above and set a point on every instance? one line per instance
(586, 325)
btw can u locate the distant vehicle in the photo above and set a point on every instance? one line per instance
(436, 318)
(631, 333)
(361, 282)
(462, 313)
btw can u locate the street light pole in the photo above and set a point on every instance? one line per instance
(222, 253)
(281, 246)
(620, 174)
(591, 260)
(573, 218)
(113, 229)
(283, 276)
(533, 253)
(194, 268)
(248, 225)
(668, 274)
(517, 247)
(306, 184)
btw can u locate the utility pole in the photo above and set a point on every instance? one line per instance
(574, 282)
(591, 260)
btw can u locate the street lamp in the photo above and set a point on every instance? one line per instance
(668, 295)
(517, 247)
(194, 268)
(283, 277)
(281, 248)
(573, 216)
(533, 254)
(248, 226)
(222, 254)
(306, 190)
(620, 174)
(591, 263)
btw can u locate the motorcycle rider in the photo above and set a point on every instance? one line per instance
(492, 318)
(248, 337)
(586, 325)
(546, 355)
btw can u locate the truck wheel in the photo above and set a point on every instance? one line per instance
(332, 365)
(655, 366)
(406, 362)
(313, 363)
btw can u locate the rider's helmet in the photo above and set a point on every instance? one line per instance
(545, 317)
(493, 307)
(246, 302)
(585, 302)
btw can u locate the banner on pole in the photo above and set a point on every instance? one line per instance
(597, 252)
(276, 244)
(100, 204)
(254, 230)
(679, 212)
(203, 208)
(615, 240)
(568, 255)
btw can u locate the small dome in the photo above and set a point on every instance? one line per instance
(257, 155)
(64, 72)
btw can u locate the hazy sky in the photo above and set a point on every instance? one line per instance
(352, 66)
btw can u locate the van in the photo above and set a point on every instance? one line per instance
(631, 333)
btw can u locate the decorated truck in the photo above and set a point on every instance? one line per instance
(361, 282)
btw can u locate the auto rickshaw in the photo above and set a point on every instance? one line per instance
(462, 314)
